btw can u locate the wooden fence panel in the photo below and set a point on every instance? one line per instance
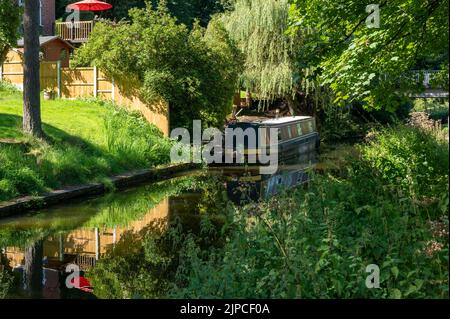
(12, 70)
(49, 75)
(104, 86)
(77, 82)
(87, 82)
(157, 113)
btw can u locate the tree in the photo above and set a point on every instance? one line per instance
(194, 70)
(361, 61)
(259, 28)
(31, 82)
(9, 24)
(186, 11)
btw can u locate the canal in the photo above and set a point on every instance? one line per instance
(40, 248)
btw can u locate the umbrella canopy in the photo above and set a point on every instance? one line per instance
(90, 5)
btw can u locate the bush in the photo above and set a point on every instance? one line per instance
(6, 277)
(195, 71)
(8, 87)
(6, 280)
(134, 141)
(409, 158)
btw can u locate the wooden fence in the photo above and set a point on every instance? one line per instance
(73, 83)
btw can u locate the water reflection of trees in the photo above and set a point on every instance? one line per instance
(144, 264)
(32, 272)
(154, 246)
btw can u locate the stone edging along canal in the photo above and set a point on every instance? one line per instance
(122, 181)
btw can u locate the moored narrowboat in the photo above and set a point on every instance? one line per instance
(296, 136)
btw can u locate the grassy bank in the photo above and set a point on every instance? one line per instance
(86, 141)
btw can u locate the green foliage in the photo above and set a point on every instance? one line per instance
(133, 140)
(259, 28)
(371, 64)
(144, 264)
(9, 25)
(409, 160)
(436, 108)
(112, 142)
(6, 277)
(139, 267)
(195, 71)
(186, 11)
(8, 87)
(317, 242)
(6, 280)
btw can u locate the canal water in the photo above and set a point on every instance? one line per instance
(43, 249)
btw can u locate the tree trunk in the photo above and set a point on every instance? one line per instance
(31, 85)
(33, 269)
(291, 105)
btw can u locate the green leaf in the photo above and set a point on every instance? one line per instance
(395, 294)
(395, 271)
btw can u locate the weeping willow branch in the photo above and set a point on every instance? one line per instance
(259, 27)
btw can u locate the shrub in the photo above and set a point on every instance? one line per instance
(409, 158)
(195, 71)
(8, 87)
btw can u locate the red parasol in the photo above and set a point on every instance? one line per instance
(90, 5)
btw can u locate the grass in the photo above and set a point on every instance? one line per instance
(86, 141)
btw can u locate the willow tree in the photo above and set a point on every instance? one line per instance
(259, 28)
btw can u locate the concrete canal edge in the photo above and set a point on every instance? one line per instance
(122, 181)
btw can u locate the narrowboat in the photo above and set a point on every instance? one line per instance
(297, 136)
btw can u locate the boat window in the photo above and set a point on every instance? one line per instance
(310, 126)
(305, 128)
(294, 130)
(299, 129)
(289, 132)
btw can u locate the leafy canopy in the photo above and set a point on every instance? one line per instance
(194, 70)
(9, 24)
(369, 64)
(186, 11)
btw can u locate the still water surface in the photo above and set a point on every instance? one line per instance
(39, 246)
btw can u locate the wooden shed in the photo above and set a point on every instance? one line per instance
(53, 48)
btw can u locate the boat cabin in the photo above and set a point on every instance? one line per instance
(297, 135)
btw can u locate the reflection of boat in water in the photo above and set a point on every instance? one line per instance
(246, 183)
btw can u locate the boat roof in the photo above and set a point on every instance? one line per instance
(284, 120)
(258, 120)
